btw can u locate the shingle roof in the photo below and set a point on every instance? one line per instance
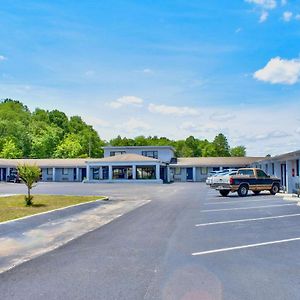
(216, 161)
(129, 157)
(44, 163)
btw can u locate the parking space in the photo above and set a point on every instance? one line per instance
(250, 240)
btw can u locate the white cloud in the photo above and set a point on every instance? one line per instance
(298, 130)
(134, 125)
(148, 71)
(280, 71)
(297, 17)
(266, 4)
(89, 73)
(126, 101)
(173, 110)
(222, 117)
(238, 30)
(283, 2)
(287, 16)
(263, 17)
(2, 58)
(97, 122)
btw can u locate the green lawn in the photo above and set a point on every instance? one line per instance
(13, 207)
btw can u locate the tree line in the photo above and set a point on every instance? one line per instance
(52, 134)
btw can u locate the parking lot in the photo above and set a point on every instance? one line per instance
(187, 242)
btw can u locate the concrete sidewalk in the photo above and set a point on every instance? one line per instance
(24, 239)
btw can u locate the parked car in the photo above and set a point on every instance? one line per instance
(253, 179)
(211, 175)
(211, 179)
(13, 177)
(224, 177)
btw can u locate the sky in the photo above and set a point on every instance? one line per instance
(170, 68)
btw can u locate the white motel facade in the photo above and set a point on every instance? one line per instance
(154, 164)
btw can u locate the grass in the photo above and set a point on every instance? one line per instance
(13, 207)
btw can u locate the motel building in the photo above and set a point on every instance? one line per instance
(154, 164)
(147, 164)
(284, 166)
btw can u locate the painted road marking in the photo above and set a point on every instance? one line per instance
(247, 220)
(251, 207)
(245, 201)
(245, 246)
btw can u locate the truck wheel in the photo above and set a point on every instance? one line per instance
(224, 193)
(243, 190)
(256, 192)
(275, 189)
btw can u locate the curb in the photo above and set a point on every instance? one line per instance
(57, 209)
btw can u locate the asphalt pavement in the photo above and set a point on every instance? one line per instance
(186, 243)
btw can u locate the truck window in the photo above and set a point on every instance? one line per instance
(246, 172)
(261, 173)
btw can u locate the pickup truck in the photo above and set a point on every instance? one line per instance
(253, 179)
(221, 178)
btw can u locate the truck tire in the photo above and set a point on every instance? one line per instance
(256, 192)
(275, 189)
(243, 190)
(224, 193)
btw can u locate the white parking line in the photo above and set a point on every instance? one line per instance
(247, 220)
(251, 207)
(245, 246)
(245, 201)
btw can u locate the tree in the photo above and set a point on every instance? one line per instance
(29, 174)
(238, 151)
(70, 147)
(221, 145)
(10, 150)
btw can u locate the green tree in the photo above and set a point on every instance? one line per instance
(10, 150)
(221, 145)
(70, 147)
(238, 151)
(30, 175)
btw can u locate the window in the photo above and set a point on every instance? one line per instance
(114, 153)
(145, 172)
(177, 171)
(261, 173)
(247, 172)
(65, 171)
(95, 172)
(122, 172)
(216, 169)
(297, 167)
(153, 154)
(273, 168)
(49, 171)
(204, 171)
(105, 172)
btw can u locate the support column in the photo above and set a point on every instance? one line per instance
(134, 172)
(194, 173)
(77, 174)
(53, 174)
(7, 172)
(168, 174)
(110, 175)
(157, 171)
(88, 172)
(289, 179)
(100, 173)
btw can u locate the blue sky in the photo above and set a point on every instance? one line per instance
(168, 68)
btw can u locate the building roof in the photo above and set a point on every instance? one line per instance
(46, 163)
(126, 157)
(215, 161)
(284, 156)
(138, 147)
